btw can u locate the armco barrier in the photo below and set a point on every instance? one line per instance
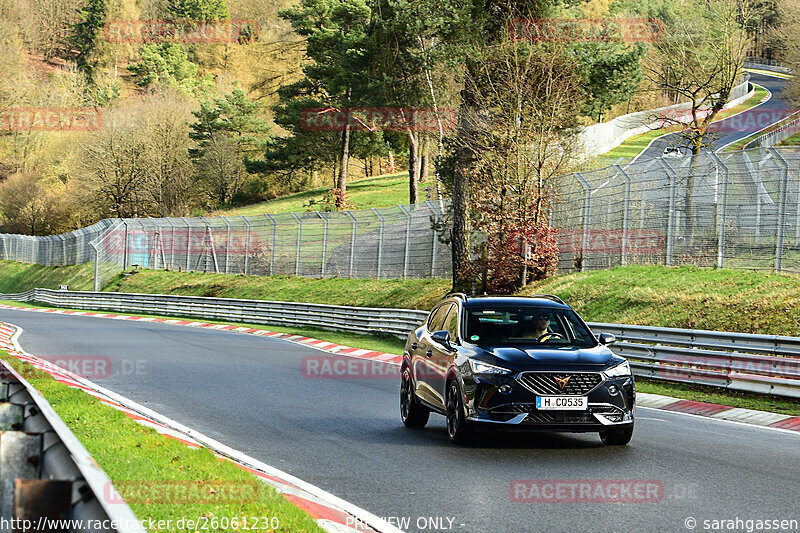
(756, 363)
(46, 472)
(362, 320)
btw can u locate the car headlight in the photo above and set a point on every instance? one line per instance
(485, 368)
(621, 370)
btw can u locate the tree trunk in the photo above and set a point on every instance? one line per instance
(462, 170)
(413, 166)
(390, 163)
(341, 185)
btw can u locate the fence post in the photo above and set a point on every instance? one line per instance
(625, 215)
(246, 246)
(435, 234)
(587, 209)
(408, 240)
(210, 239)
(96, 284)
(671, 213)
(722, 210)
(299, 237)
(781, 208)
(380, 240)
(227, 243)
(272, 250)
(352, 241)
(188, 241)
(324, 243)
(797, 211)
(171, 245)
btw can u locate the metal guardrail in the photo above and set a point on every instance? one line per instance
(46, 474)
(737, 361)
(773, 137)
(362, 320)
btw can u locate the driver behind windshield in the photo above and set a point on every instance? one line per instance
(540, 329)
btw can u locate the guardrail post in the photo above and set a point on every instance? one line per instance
(246, 245)
(324, 243)
(625, 215)
(380, 240)
(781, 208)
(722, 210)
(408, 240)
(299, 237)
(272, 250)
(352, 240)
(587, 209)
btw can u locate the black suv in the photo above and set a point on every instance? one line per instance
(516, 363)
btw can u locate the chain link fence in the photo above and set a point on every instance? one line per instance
(734, 210)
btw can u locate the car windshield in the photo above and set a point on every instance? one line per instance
(514, 326)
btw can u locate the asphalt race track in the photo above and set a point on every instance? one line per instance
(345, 436)
(721, 138)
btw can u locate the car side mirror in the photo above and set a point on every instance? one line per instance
(606, 339)
(442, 337)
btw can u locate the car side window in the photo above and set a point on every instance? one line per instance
(436, 322)
(451, 322)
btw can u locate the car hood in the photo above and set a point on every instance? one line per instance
(595, 359)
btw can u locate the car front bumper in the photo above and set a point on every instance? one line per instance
(494, 401)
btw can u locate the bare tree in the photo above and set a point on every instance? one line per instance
(701, 59)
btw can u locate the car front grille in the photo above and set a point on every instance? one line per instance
(545, 383)
(560, 417)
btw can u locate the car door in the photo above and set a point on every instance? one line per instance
(442, 356)
(424, 369)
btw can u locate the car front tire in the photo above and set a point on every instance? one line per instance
(414, 414)
(458, 429)
(616, 437)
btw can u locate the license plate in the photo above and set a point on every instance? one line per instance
(562, 403)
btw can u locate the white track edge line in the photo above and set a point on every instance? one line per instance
(361, 514)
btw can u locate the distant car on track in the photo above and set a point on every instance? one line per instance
(521, 363)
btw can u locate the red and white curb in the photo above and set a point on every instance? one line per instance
(654, 401)
(331, 513)
(317, 344)
(720, 412)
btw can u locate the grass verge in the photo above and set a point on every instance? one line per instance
(388, 190)
(406, 294)
(142, 464)
(20, 277)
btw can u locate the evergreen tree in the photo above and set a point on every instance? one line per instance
(85, 35)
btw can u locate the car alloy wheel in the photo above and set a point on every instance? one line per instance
(458, 429)
(412, 413)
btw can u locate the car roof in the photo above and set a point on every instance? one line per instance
(512, 301)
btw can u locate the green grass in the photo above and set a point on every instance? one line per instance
(20, 277)
(636, 144)
(406, 294)
(683, 297)
(794, 140)
(141, 463)
(365, 193)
